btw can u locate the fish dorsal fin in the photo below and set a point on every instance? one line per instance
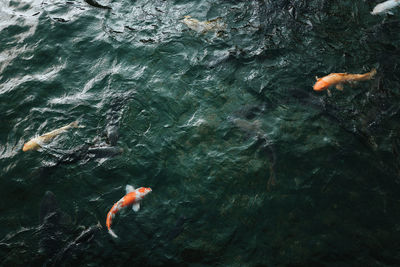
(214, 20)
(136, 207)
(129, 188)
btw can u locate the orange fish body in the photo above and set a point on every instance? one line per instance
(132, 198)
(338, 79)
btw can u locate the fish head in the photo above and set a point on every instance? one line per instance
(321, 85)
(193, 24)
(384, 7)
(186, 19)
(376, 11)
(144, 190)
(112, 135)
(31, 145)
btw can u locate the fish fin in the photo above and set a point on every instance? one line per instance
(339, 86)
(372, 73)
(129, 188)
(111, 232)
(316, 78)
(329, 92)
(136, 207)
(214, 20)
(74, 124)
(352, 83)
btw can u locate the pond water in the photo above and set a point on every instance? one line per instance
(248, 165)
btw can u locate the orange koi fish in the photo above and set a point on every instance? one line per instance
(338, 79)
(37, 142)
(132, 198)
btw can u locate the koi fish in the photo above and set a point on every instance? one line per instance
(203, 26)
(75, 247)
(178, 228)
(53, 223)
(104, 151)
(266, 146)
(385, 7)
(132, 198)
(338, 79)
(37, 142)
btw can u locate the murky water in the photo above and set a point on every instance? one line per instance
(207, 120)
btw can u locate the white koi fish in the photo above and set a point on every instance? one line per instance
(385, 7)
(204, 26)
(37, 142)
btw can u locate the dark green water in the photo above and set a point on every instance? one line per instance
(204, 120)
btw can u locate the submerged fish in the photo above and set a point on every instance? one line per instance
(53, 225)
(48, 206)
(385, 7)
(87, 234)
(112, 134)
(249, 112)
(104, 151)
(37, 142)
(250, 128)
(338, 79)
(204, 26)
(178, 228)
(265, 145)
(85, 237)
(132, 198)
(83, 153)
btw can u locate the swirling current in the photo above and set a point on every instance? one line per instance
(248, 165)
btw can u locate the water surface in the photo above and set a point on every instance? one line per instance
(203, 119)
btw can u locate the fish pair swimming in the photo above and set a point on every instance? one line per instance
(131, 199)
(97, 152)
(339, 79)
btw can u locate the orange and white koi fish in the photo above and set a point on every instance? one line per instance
(132, 198)
(338, 79)
(37, 142)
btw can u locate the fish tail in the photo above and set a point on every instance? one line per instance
(372, 73)
(111, 232)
